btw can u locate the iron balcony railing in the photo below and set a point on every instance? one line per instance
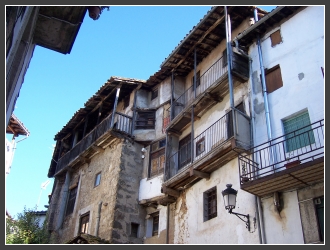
(122, 123)
(210, 76)
(300, 146)
(215, 135)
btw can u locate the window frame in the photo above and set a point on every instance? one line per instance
(157, 154)
(143, 117)
(184, 151)
(210, 201)
(155, 223)
(200, 142)
(97, 181)
(198, 80)
(301, 123)
(84, 223)
(71, 200)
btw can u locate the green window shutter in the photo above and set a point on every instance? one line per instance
(296, 131)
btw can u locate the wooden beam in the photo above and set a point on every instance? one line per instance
(200, 174)
(170, 191)
(200, 40)
(97, 148)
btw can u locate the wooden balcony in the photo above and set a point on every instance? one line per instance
(213, 87)
(266, 168)
(212, 149)
(96, 141)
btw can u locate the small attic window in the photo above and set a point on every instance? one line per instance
(276, 38)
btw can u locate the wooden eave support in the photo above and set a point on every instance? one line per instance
(97, 148)
(200, 174)
(170, 191)
(84, 159)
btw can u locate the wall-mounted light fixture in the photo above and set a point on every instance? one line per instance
(229, 198)
(143, 150)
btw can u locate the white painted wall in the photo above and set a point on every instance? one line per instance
(150, 188)
(284, 227)
(301, 52)
(226, 228)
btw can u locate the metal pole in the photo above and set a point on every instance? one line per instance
(114, 108)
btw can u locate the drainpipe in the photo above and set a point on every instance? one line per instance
(263, 81)
(192, 113)
(229, 61)
(167, 223)
(98, 219)
(64, 199)
(114, 108)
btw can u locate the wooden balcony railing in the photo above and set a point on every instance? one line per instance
(122, 123)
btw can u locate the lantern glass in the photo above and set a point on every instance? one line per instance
(229, 197)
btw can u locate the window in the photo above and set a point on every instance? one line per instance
(97, 179)
(185, 151)
(276, 38)
(154, 94)
(84, 220)
(134, 229)
(200, 146)
(126, 101)
(166, 116)
(198, 79)
(71, 200)
(157, 158)
(145, 120)
(273, 79)
(298, 132)
(155, 223)
(210, 203)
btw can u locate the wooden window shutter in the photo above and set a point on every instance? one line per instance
(274, 79)
(276, 38)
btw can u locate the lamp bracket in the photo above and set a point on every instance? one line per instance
(247, 221)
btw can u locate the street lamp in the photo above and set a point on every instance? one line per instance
(229, 198)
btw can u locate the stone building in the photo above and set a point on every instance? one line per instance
(149, 161)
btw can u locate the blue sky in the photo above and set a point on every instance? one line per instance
(126, 41)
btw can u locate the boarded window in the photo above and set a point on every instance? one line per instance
(276, 38)
(210, 203)
(84, 221)
(145, 120)
(273, 79)
(71, 200)
(154, 94)
(298, 132)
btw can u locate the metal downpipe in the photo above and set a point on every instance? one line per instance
(229, 62)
